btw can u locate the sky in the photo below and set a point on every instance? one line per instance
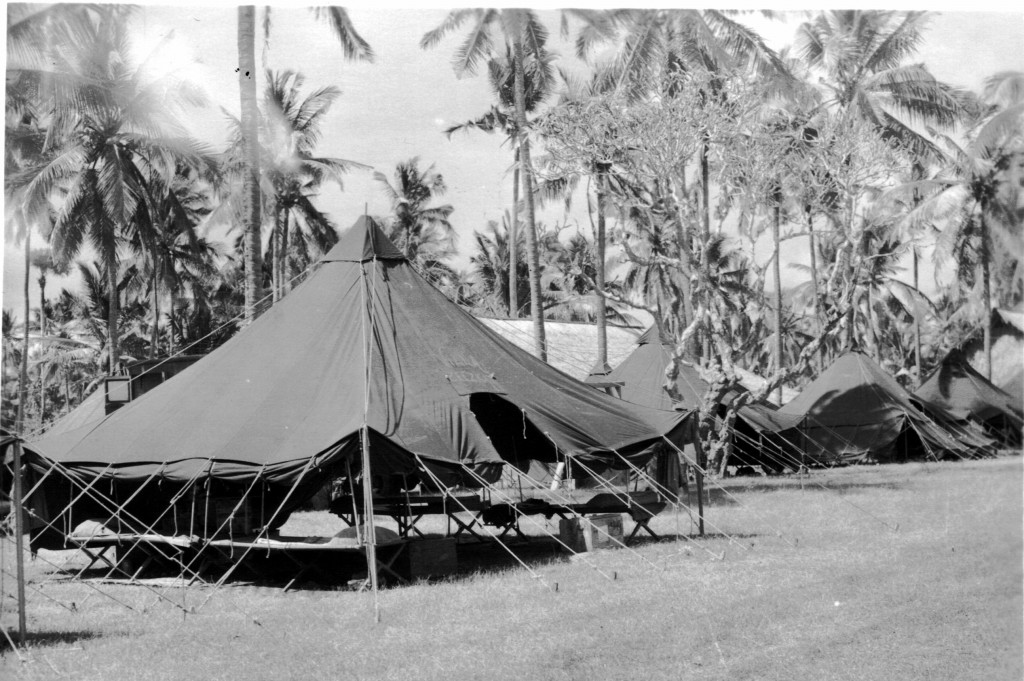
(397, 108)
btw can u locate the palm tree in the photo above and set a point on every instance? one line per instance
(250, 208)
(110, 130)
(353, 46)
(521, 30)
(41, 259)
(502, 117)
(423, 232)
(489, 263)
(858, 57)
(173, 254)
(970, 201)
(291, 174)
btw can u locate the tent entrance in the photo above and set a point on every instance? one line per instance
(516, 439)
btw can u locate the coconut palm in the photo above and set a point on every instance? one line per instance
(291, 174)
(521, 30)
(112, 131)
(975, 206)
(353, 46)
(859, 58)
(423, 232)
(502, 118)
(489, 264)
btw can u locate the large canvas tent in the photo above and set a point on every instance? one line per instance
(758, 437)
(854, 411)
(959, 389)
(365, 341)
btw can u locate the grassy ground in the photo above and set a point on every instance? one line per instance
(812, 583)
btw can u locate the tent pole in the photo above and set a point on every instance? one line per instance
(19, 540)
(701, 466)
(371, 534)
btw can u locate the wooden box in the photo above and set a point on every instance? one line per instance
(595, 532)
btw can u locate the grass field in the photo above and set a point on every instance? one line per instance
(812, 583)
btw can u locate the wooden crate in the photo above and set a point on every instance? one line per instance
(427, 558)
(594, 532)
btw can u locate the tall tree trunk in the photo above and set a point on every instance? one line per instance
(814, 284)
(154, 336)
(115, 303)
(23, 373)
(250, 182)
(533, 255)
(602, 321)
(275, 254)
(285, 251)
(67, 391)
(513, 252)
(777, 277)
(170, 322)
(917, 321)
(42, 332)
(986, 292)
(705, 227)
(917, 173)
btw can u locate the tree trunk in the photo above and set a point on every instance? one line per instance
(986, 292)
(917, 173)
(115, 302)
(777, 277)
(250, 182)
(23, 374)
(917, 321)
(42, 332)
(599, 238)
(275, 254)
(170, 323)
(814, 284)
(513, 252)
(533, 255)
(705, 227)
(154, 336)
(285, 251)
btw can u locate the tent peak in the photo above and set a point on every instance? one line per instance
(364, 240)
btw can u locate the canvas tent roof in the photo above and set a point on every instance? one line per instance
(959, 389)
(854, 410)
(760, 434)
(642, 375)
(364, 338)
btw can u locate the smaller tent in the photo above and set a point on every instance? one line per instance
(856, 412)
(760, 431)
(959, 389)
